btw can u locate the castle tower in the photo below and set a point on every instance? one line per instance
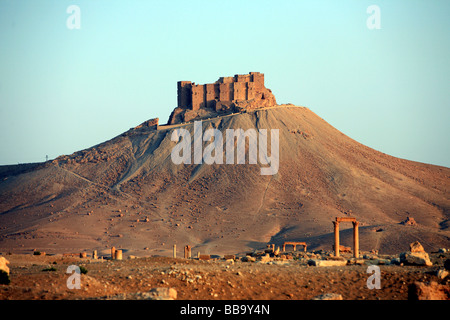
(184, 91)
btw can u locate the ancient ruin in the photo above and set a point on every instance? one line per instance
(295, 244)
(355, 235)
(228, 94)
(187, 252)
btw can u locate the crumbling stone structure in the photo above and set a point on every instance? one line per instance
(152, 124)
(228, 94)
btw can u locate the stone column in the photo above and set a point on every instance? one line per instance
(113, 253)
(94, 255)
(174, 250)
(119, 255)
(356, 239)
(336, 238)
(284, 247)
(187, 252)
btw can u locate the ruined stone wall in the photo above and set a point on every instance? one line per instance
(226, 92)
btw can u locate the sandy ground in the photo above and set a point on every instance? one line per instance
(217, 279)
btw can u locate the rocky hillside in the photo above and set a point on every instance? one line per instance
(128, 193)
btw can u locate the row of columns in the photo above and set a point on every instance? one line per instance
(187, 251)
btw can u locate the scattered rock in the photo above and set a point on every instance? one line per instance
(409, 221)
(441, 274)
(248, 259)
(416, 247)
(326, 263)
(447, 264)
(328, 296)
(416, 255)
(4, 271)
(415, 258)
(3, 264)
(356, 261)
(343, 249)
(378, 262)
(266, 258)
(161, 294)
(428, 291)
(4, 277)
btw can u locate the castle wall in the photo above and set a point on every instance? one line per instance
(226, 79)
(198, 99)
(226, 91)
(251, 90)
(240, 90)
(242, 78)
(212, 93)
(258, 79)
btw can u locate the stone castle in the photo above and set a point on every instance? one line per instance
(226, 95)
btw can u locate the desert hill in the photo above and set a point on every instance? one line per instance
(127, 193)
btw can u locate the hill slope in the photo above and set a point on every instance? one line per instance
(128, 193)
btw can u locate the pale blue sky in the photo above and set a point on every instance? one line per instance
(65, 90)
